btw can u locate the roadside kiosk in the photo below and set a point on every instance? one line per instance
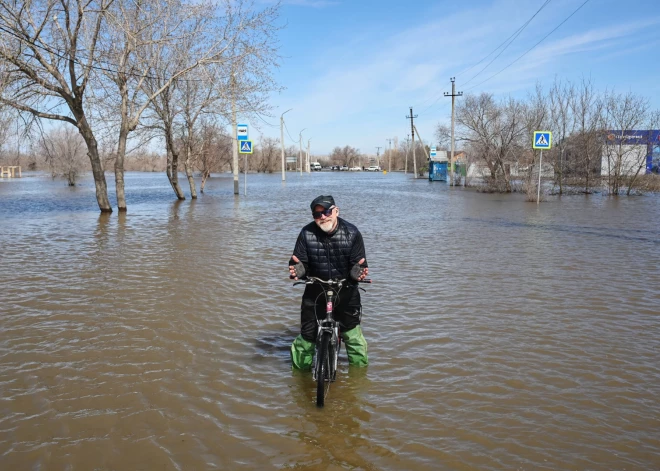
(438, 166)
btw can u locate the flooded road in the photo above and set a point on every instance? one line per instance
(502, 334)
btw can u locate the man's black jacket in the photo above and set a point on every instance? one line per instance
(329, 256)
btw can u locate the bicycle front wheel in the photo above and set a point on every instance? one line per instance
(323, 369)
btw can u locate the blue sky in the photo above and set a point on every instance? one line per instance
(352, 69)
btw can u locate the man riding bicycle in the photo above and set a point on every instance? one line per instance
(329, 248)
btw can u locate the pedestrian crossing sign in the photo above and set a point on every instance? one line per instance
(542, 140)
(245, 147)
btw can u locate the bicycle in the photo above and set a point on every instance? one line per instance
(328, 340)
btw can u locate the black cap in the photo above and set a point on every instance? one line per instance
(325, 201)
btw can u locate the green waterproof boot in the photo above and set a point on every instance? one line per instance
(356, 346)
(302, 352)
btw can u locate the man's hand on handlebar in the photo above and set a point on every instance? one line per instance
(358, 272)
(298, 270)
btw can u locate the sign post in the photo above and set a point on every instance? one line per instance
(542, 140)
(245, 147)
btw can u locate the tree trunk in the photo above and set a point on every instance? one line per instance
(172, 164)
(119, 168)
(187, 166)
(561, 171)
(586, 185)
(173, 174)
(205, 176)
(507, 183)
(191, 180)
(95, 160)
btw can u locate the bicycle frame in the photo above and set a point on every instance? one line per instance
(328, 340)
(329, 324)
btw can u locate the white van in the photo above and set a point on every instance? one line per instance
(315, 166)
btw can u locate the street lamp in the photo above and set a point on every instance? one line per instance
(308, 169)
(300, 146)
(282, 142)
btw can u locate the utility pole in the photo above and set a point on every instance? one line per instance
(405, 170)
(282, 142)
(412, 130)
(300, 158)
(308, 166)
(378, 148)
(389, 158)
(233, 126)
(453, 95)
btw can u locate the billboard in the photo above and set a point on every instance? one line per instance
(649, 138)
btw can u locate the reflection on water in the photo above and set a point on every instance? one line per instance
(502, 334)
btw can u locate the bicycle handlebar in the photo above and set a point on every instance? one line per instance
(313, 279)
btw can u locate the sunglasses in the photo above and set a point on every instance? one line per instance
(325, 212)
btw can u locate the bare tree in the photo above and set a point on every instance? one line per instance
(562, 123)
(268, 155)
(145, 161)
(587, 109)
(64, 150)
(141, 35)
(215, 151)
(494, 133)
(443, 136)
(421, 153)
(625, 114)
(6, 122)
(197, 98)
(245, 36)
(50, 48)
(346, 155)
(535, 113)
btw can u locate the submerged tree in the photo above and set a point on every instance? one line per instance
(624, 161)
(64, 152)
(494, 133)
(347, 155)
(244, 39)
(49, 50)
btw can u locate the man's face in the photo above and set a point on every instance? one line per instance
(325, 219)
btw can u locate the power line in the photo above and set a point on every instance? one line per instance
(508, 40)
(287, 131)
(514, 37)
(434, 102)
(528, 50)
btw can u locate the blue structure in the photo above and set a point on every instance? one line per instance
(648, 138)
(437, 171)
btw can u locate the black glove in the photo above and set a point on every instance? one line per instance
(356, 271)
(300, 269)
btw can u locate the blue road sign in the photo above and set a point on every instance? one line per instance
(245, 147)
(242, 132)
(542, 140)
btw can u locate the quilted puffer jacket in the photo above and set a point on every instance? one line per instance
(331, 255)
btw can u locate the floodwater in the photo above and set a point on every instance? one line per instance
(502, 334)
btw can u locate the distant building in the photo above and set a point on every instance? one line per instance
(631, 152)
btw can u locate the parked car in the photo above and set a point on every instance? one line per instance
(373, 168)
(343, 168)
(355, 169)
(315, 167)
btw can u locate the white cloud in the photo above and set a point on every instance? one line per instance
(363, 82)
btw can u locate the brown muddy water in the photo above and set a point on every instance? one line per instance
(502, 334)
